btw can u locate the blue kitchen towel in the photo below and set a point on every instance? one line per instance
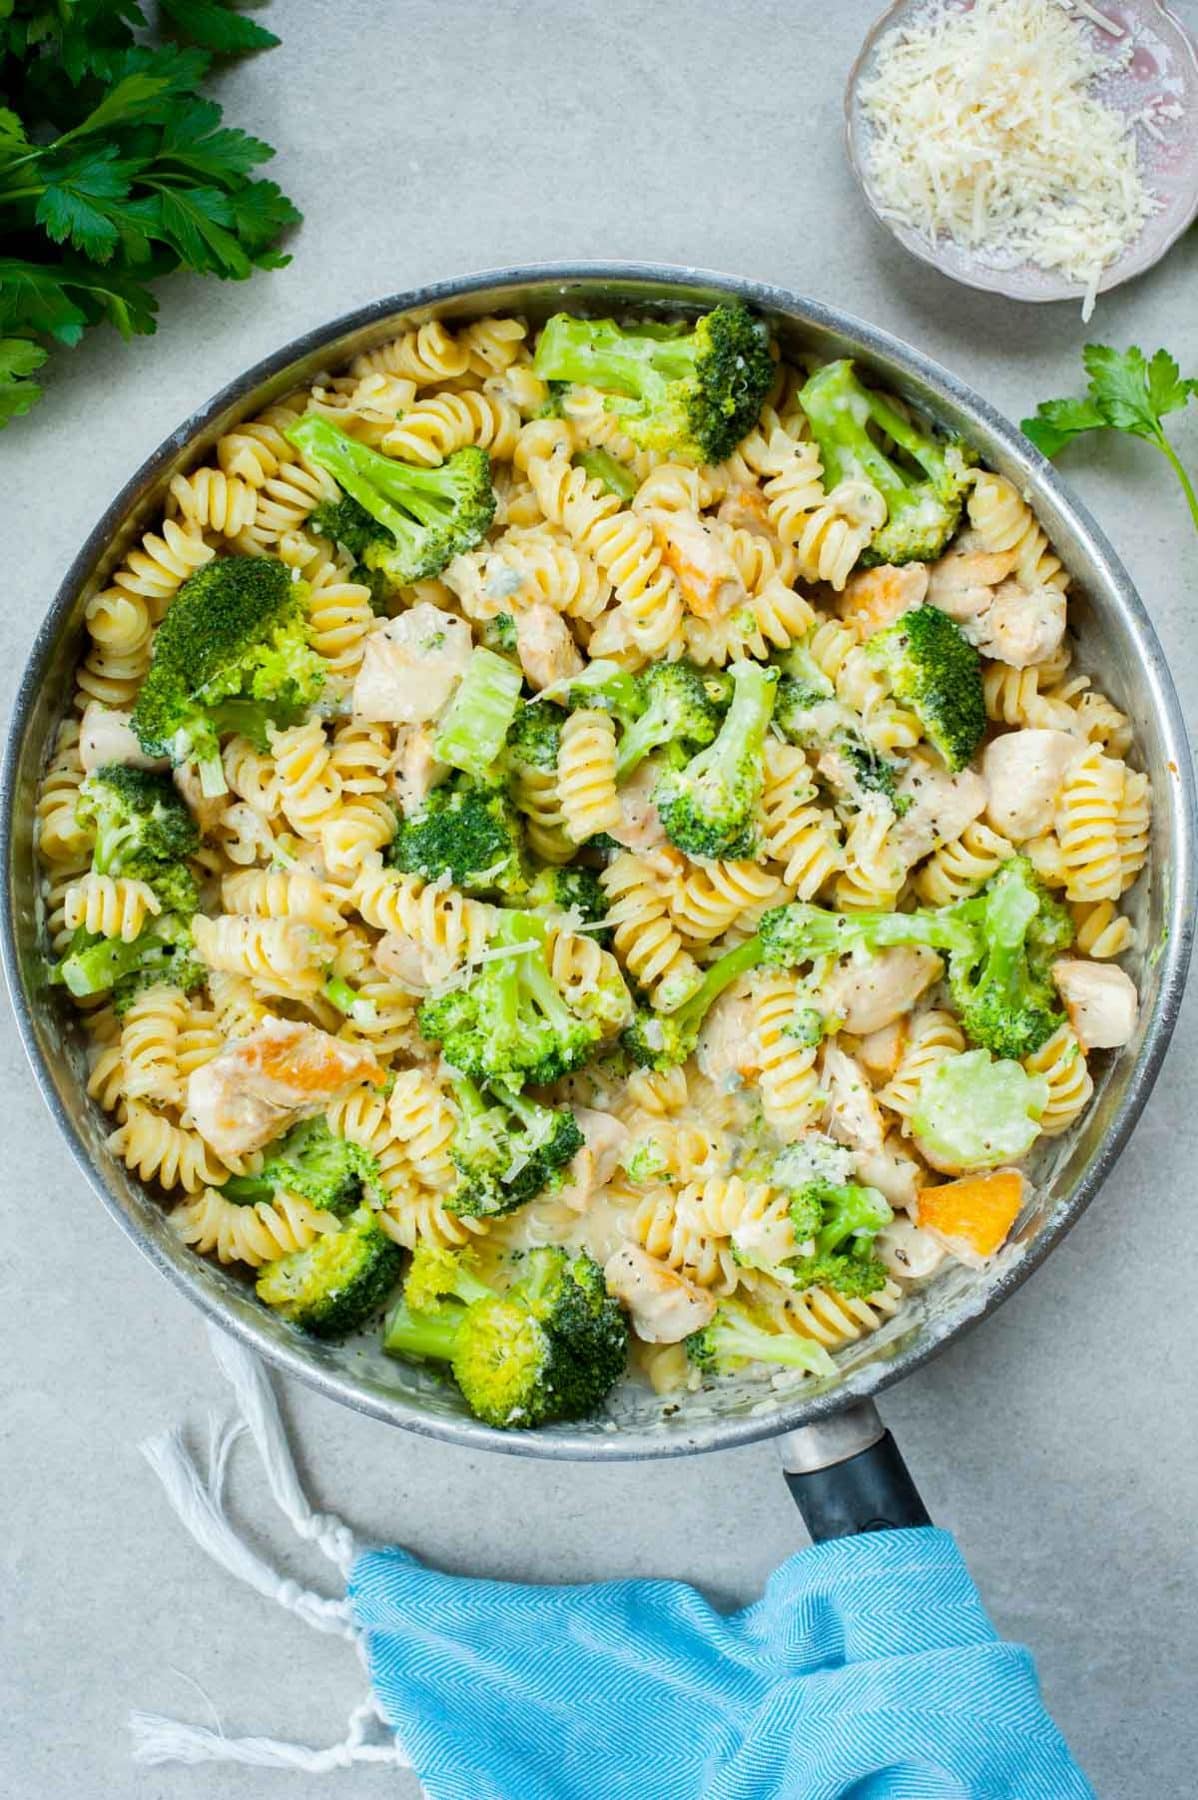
(868, 1670)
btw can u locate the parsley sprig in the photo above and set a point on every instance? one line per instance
(115, 171)
(1128, 392)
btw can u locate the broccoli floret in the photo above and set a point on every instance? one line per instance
(845, 1218)
(551, 1347)
(735, 1338)
(657, 1040)
(1000, 944)
(313, 1161)
(347, 523)
(602, 467)
(427, 516)
(507, 1149)
(332, 1287)
(694, 394)
(573, 890)
(511, 1023)
(922, 479)
(677, 710)
(161, 952)
(534, 736)
(499, 633)
(975, 1113)
(479, 716)
(142, 828)
(709, 807)
(232, 654)
(935, 670)
(470, 832)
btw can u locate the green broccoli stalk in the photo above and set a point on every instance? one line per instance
(232, 654)
(677, 710)
(709, 807)
(934, 669)
(603, 686)
(999, 943)
(426, 516)
(338, 992)
(469, 832)
(657, 1040)
(311, 1161)
(734, 1338)
(511, 1023)
(331, 1288)
(507, 1149)
(922, 479)
(602, 467)
(551, 1347)
(161, 952)
(694, 394)
(976, 1113)
(476, 722)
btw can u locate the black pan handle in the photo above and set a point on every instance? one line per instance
(846, 1475)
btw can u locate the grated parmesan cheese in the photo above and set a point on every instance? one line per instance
(985, 130)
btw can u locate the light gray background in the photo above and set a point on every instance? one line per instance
(422, 140)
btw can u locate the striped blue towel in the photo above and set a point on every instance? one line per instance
(868, 1670)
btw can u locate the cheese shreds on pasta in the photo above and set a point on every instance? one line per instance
(985, 130)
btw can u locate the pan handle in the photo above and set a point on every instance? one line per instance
(845, 1475)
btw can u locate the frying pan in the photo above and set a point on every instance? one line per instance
(842, 1466)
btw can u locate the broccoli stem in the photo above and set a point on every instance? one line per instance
(428, 1336)
(99, 966)
(347, 999)
(601, 466)
(476, 722)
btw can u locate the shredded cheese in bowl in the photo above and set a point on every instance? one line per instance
(992, 126)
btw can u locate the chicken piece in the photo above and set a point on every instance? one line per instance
(907, 1251)
(255, 1088)
(664, 1306)
(881, 1051)
(972, 1218)
(942, 805)
(854, 1117)
(1023, 771)
(962, 583)
(640, 826)
(873, 598)
(895, 1174)
(204, 808)
(411, 666)
(746, 509)
(1021, 626)
(415, 770)
(875, 991)
(1101, 1001)
(596, 1162)
(106, 736)
(405, 960)
(708, 579)
(728, 1051)
(545, 647)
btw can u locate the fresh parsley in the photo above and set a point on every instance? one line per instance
(115, 170)
(1128, 392)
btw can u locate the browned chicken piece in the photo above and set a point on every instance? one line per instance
(942, 805)
(640, 828)
(545, 647)
(873, 993)
(745, 509)
(728, 1050)
(606, 1140)
(708, 579)
(873, 598)
(1021, 626)
(411, 666)
(1023, 771)
(106, 736)
(854, 1117)
(664, 1306)
(205, 809)
(962, 583)
(1100, 999)
(255, 1088)
(415, 770)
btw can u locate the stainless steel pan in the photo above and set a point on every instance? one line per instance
(833, 1421)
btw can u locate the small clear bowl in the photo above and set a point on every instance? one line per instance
(1159, 87)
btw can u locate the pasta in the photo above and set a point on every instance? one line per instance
(572, 1024)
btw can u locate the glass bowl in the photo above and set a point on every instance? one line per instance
(1158, 87)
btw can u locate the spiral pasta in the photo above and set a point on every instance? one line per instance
(1004, 524)
(254, 1234)
(1087, 827)
(443, 423)
(109, 906)
(424, 1122)
(586, 775)
(1062, 1063)
(157, 1150)
(645, 941)
(960, 868)
(210, 500)
(932, 1036)
(791, 1097)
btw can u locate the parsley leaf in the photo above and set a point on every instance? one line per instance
(1128, 392)
(212, 25)
(19, 357)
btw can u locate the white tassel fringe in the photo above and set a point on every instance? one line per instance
(199, 1504)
